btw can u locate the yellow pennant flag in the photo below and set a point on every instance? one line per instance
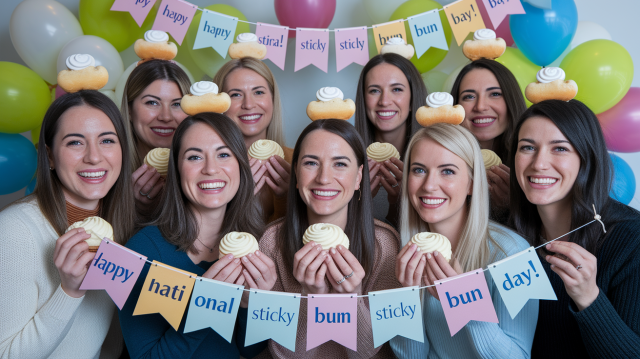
(166, 290)
(383, 32)
(464, 18)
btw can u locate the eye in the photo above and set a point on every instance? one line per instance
(74, 143)
(468, 97)
(310, 163)
(495, 94)
(418, 170)
(526, 148)
(109, 141)
(259, 92)
(397, 89)
(341, 164)
(176, 104)
(224, 155)
(151, 103)
(561, 149)
(374, 91)
(448, 172)
(194, 158)
(234, 94)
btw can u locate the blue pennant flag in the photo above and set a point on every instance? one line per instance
(273, 315)
(396, 312)
(216, 31)
(427, 31)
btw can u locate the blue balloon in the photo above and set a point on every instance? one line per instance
(18, 160)
(543, 34)
(30, 187)
(624, 182)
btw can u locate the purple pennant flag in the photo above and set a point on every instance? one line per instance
(332, 317)
(139, 9)
(312, 48)
(351, 46)
(464, 298)
(114, 269)
(275, 39)
(498, 10)
(174, 17)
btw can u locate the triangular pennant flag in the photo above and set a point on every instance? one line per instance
(215, 30)
(332, 317)
(427, 31)
(273, 315)
(352, 45)
(312, 48)
(464, 17)
(498, 10)
(275, 39)
(174, 17)
(383, 32)
(139, 9)
(396, 312)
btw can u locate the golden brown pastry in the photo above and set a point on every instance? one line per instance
(484, 45)
(330, 104)
(82, 74)
(326, 235)
(428, 242)
(204, 97)
(382, 151)
(98, 228)
(397, 45)
(239, 244)
(490, 159)
(247, 46)
(155, 45)
(551, 86)
(158, 158)
(264, 149)
(440, 109)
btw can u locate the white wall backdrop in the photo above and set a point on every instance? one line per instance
(298, 88)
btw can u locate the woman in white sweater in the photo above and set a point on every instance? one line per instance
(82, 171)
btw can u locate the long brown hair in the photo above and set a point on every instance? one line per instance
(176, 220)
(117, 207)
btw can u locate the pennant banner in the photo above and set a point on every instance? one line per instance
(114, 269)
(214, 305)
(273, 315)
(312, 48)
(396, 312)
(139, 9)
(166, 290)
(217, 31)
(332, 317)
(383, 32)
(498, 10)
(275, 39)
(519, 278)
(352, 45)
(464, 17)
(466, 297)
(174, 17)
(426, 31)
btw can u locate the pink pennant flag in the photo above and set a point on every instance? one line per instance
(312, 48)
(174, 17)
(464, 298)
(351, 46)
(275, 39)
(114, 269)
(503, 30)
(139, 9)
(332, 317)
(498, 10)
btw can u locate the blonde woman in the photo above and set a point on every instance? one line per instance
(256, 109)
(445, 191)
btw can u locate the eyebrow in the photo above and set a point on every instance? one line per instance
(553, 142)
(333, 158)
(159, 99)
(255, 88)
(444, 165)
(394, 84)
(82, 136)
(200, 150)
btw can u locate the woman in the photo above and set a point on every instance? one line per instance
(445, 192)
(329, 163)
(209, 194)
(256, 109)
(151, 106)
(493, 102)
(561, 171)
(390, 91)
(83, 171)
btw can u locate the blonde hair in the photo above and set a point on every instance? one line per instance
(473, 250)
(274, 130)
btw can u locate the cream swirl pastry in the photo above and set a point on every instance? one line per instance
(326, 235)
(437, 99)
(551, 85)
(97, 227)
(329, 93)
(156, 36)
(381, 152)
(264, 149)
(550, 74)
(158, 158)
(485, 45)
(203, 87)
(429, 242)
(247, 37)
(397, 45)
(484, 34)
(238, 243)
(395, 41)
(490, 159)
(80, 61)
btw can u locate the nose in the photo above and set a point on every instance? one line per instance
(210, 167)
(248, 103)
(324, 175)
(430, 182)
(92, 153)
(384, 99)
(481, 104)
(165, 114)
(540, 161)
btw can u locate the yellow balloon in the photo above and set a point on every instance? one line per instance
(24, 98)
(522, 68)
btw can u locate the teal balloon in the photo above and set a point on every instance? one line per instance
(31, 187)
(18, 160)
(624, 181)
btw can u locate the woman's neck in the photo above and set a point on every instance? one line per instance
(339, 218)
(249, 140)
(452, 227)
(87, 204)
(556, 219)
(396, 137)
(486, 145)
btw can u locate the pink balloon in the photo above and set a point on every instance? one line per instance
(305, 13)
(621, 123)
(59, 92)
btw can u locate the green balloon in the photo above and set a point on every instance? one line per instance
(434, 80)
(603, 70)
(432, 57)
(208, 59)
(522, 68)
(24, 98)
(117, 27)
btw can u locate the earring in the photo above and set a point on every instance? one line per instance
(50, 168)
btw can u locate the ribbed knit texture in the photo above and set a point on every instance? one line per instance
(77, 214)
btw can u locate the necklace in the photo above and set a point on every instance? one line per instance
(210, 249)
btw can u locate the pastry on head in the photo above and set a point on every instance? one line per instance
(440, 109)
(490, 159)
(484, 45)
(551, 86)
(98, 228)
(82, 74)
(382, 151)
(330, 104)
(158, 158)
(247, 46)
(397, 45)
(238, 243)
(326, 235)
(264, 149)
(429, 242)
(155, 46)
(204, 97)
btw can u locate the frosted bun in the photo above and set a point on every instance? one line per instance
(330, 104)
(98, 228)
(82, 74)
(551, 85)
(440, 109)
(155, 45)
(428, 242)
(238, 243)
(204, 97)
(490, 159)
(397, 45)
(484, 45)
(381, 152)
(264, 149)
(158, 158)
(247, 46)
(326, 235)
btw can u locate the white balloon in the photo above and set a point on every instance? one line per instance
(380, 10)
(586, 31)
(39, 29)
(102, 51)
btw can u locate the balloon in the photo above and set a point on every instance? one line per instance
(24, 98)
(208, 59)
(434, 80)
(586, 31)
(379, 10)
(624, 182)
(621, 123)
(18, 157)
(35, 136)
(454, 59)
(305, 13)
(39, 29)
(102, 51)
(110, 94)
(524, 70)
(433, 56)
(447, 86)
(603, 71)
(30, 187)
(541, 34)
(543, 4)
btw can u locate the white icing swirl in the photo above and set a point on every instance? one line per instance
(80, 61)
(159, 159)
(156, 36)
(429, 242)
(326, 235)
(395, 41)
(484, 34)
(550, 74)
(97, 227)
(203, 87)
(490, 158)
(264, 149)
(381, 152)
(437, 99)
(329, 93)
(247, 37)
(238, 243)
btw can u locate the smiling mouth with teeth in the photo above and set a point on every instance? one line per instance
(250, 117)
(211, 185)
(386, 113)
(325, 193)
(483, 120)
(546, 180)
(92, 174)
(432, 201)
(163, 130)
